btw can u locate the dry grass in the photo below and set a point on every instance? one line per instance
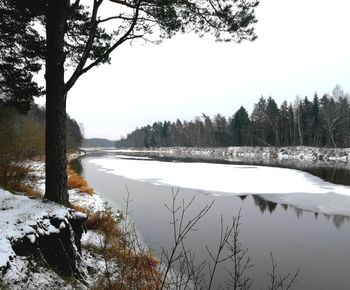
(75, 181)
(104, 223)
(15, 177)
(137, 270)
(27, 189)
(79, 208)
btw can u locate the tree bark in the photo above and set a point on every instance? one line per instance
(55, 135)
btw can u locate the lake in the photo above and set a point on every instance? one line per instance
(299, 218)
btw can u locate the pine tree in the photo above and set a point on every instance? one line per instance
(240, 127)
(75, 35)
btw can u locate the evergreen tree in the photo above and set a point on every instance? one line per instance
(291, 126)
(239, 127)
(75, 35)
(322, 122)
(272, 122)
(21, 50)
(220, 130)
(258, 123)
(284, 125)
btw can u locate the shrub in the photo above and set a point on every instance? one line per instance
(136, 269)
(75, 181)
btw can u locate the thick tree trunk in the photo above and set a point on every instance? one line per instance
(55, 150)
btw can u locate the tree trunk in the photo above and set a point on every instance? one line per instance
(55, 150)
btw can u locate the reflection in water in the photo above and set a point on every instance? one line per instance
(337, 174)
(328, 172)
(284, 206)
(76, 165)
(269, 206)
(242, 197)
(316, 244)
(264, 204)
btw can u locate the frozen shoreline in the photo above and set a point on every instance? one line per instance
(303, 154)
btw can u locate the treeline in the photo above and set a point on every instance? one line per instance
(316, 121)
(22, 136)
(31, 126)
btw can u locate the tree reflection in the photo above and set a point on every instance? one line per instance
(76, 165)
(284, 206)
(339, 220)
(266, 205)
(298, 212)
(242, 197)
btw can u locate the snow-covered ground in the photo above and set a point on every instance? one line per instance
(27, 218)
(294, 153)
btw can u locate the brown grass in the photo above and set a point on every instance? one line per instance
(75, 181)
(79, 208)
(137, 270)
(27, 189)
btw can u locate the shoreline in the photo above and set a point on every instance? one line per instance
(328, 163)
(303, 154)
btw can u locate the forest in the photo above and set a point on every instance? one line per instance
(316, 121)
(22, 137)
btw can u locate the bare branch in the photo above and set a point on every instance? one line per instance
(127, 36)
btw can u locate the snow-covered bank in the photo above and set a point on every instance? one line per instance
(31, 218)
(29, 226)
(296, 153)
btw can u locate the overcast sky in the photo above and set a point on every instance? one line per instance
(303, 46)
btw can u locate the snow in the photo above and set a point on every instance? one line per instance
(220, 178)
(294, 153)
(132, 157)
(20, 216)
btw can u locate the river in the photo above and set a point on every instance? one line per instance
(299, 218)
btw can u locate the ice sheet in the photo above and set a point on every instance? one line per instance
(223, 178)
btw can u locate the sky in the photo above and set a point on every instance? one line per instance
(302, 47)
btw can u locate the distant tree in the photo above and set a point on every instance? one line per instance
(343, 128)
(272, 119)
(322, 122)
(306, 120)
(178, 133)
(165, 135)
(331, 119)
(298, 128)
(258, 123)
(221, 130)
(208, 130)
(291, 129)
(315, 122)
(74, 137)
(284, 125)
(239, 127)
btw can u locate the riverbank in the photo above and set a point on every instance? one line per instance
(42, 247)
(281, 154)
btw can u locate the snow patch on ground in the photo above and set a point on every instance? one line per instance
(20, 217)
(292, 153)
(23, 217)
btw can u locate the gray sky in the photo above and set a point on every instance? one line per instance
(303, 46)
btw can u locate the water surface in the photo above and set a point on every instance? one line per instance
(315, 241)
